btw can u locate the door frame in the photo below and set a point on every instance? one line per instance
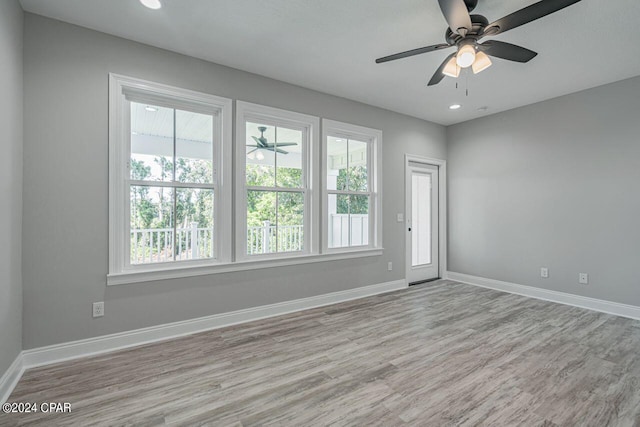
(442, 210)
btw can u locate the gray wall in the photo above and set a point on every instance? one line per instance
(65, 188)
(554, 184)
(11, 22)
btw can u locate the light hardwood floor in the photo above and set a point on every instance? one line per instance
(433, 355)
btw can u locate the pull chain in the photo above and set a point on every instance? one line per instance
(467, 80)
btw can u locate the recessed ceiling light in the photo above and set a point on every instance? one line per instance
(150, 108)
(151, 4)
(454, 106)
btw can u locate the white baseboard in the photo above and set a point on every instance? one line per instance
(11, 378)
(609, 307)
(108, 343)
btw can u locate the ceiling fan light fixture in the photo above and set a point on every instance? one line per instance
(451, 69)
(481, 63)
(259, 155)
(466, 55)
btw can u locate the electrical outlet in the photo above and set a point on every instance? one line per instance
(390, 266)
(583, 278)
(400, 217)
(544, 272)
(98, 309)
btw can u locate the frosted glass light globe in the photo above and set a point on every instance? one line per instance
(466, 56)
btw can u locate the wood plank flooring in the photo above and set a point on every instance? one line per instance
(438, 354)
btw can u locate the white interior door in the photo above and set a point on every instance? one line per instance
(422, 222)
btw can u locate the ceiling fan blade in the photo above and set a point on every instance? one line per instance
(507, 51)
(526, 15)
(278, 150)
(255, 149)
(438, 76)
(282, 144)
(412, 52)
(257, 140)
(457, 15)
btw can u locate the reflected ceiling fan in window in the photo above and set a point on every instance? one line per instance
(263, 144)
(465, 32)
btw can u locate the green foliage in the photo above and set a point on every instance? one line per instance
(156, 210)
(261, 205)
(354, 179)
(143, 211)
(153, 207)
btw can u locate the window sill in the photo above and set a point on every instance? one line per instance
(181, 272)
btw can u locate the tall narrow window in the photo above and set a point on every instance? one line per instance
(274, 153)
(171, 185)
(166, 149)
(350, 183)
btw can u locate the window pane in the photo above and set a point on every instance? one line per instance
(359, 220)
(288, 158)
(194, 223)
(151, 142)
(194, 147)
(336, 163)
(151, 228)
(290, 222)
(260, 160)
(348, 221)
(338, 220)
(420, 219)
(261, 222)
(357, 172)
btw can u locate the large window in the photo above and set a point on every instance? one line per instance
(166, 147)
(275, 209)
(172, 188)
(350, 179)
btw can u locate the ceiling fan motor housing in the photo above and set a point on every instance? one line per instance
(479, 23)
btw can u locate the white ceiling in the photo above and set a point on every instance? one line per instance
(331, 45)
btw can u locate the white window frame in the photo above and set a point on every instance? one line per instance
(309, 125)
(119, 180)
(373, 137)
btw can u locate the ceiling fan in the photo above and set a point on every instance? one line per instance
(465, 32)
(263, 144)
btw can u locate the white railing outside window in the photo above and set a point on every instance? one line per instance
(262, 240)
(341, 224)
(154, 245)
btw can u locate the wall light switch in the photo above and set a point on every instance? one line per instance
(390, 266)
(400, 217)
(583, 278)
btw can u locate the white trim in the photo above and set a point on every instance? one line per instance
(108, 343)
(442, 206)
(10, 378)
(278, 261)
(310, 151)
(374, 171)
(609, 307)
(222, 110)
